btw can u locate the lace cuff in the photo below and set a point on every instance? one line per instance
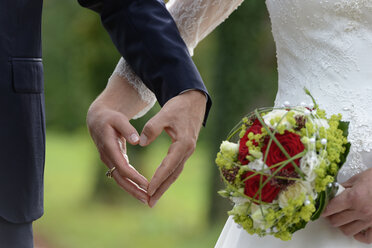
(195, 19)
(124, 70)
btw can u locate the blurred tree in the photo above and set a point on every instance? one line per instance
(244, 78)
(78, 58)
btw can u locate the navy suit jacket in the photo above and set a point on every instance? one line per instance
(144, 33)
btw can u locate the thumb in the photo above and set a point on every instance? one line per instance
(123, 126)
(152, 130)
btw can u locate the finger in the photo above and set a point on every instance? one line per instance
(113, 156)
(152, 130)
(354, 227)
(176, 154)
(122, 125)
(344, 218)
(123, 148)
(131, 188)
(127, 185)
(338, 204)
(165, 186)
(349, 183)
(126, 170)
(364, 237)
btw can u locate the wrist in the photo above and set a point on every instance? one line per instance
(192, 103)
(197, 98)
(120, 96)
(205, 102)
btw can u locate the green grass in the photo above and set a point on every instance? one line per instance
(73, 220)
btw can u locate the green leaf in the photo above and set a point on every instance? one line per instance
(344, 126)
(344, 155)
(320, 205)
(224, 193)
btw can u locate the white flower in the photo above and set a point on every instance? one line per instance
(294, 191)
(258, 165)
(239, 200)
(308, 164)
(307, 112)
(274, 114)
(229, 147)
(256, 154)
(256, 215)
(229, 150)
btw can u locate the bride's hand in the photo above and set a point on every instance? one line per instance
(351, 211)
(108, 122)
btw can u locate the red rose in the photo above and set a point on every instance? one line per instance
(268, 193)
(243, 149)
(291, 143)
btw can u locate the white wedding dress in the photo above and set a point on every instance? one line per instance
(324, 45)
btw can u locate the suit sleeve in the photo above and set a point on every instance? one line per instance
(147, 37)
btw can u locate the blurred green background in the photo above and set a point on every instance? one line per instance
(85, 209)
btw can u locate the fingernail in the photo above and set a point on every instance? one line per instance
(134, 138)
(151, 192)
(143, 140)
(154, 203)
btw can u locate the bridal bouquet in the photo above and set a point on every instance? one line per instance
(279, 166)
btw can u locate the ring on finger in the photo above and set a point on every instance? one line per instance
(110, 171)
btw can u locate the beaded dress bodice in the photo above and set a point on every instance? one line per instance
(326, 46)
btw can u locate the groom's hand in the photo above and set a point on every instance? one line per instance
(181, 118)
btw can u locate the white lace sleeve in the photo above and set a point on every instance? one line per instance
(195, 19)
(124, 70)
